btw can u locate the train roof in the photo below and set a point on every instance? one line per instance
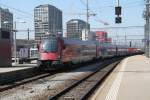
(113, 45)
(74, 41)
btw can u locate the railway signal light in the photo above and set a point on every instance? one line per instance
(118, 10)
(118, 20)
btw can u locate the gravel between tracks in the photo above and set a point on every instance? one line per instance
(41, 89)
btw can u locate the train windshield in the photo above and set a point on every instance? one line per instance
(49, 45)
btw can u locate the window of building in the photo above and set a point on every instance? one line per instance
(5, 35)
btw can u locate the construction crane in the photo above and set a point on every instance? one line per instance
(101, 21)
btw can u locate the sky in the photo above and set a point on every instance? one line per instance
(132, 11)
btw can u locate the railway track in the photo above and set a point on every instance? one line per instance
(52, 86)
(36, 76)
(24, 81)
(81, 89)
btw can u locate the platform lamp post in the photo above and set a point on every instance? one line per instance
(147, 28)
(15, 31)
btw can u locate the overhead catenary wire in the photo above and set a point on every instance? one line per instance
(16, 9)
(31, 15)
(94, 14)
(27, 13)
(126, 5)
(19, 13)
(83, 3)
(121, 27)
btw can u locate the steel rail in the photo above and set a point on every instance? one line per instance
(24, 81)
(97, 84)
(75, 84)
(36, 76)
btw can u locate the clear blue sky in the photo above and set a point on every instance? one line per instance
(131, 13)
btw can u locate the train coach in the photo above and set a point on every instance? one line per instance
(60, 51)
(56, 51)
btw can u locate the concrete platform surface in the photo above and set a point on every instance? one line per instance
(10, 69)
(130, 80)
(16, 67)
(24, 65)
(11, 74)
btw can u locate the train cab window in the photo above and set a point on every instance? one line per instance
(49, 45)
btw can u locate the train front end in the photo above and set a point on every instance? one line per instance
(49, 55)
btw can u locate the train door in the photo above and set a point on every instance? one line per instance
(98, 51)
(60, 48)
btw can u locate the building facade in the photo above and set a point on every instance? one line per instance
(23, 47)
(90, 36)
(6, 27)
(47, 20)
(75, 29)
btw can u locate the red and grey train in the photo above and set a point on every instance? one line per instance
(61, 51)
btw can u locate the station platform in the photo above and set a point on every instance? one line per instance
(130, 80)
(17, 72)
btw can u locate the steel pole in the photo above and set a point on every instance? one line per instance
(147, 31)
(28, 41)
(28, 33)
(15, 52)
(87, 30)
(118, 3)
(87, 13)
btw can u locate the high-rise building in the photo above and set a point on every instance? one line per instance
(6, 20)
(75, 28)
(47, 20)
(6, 26)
